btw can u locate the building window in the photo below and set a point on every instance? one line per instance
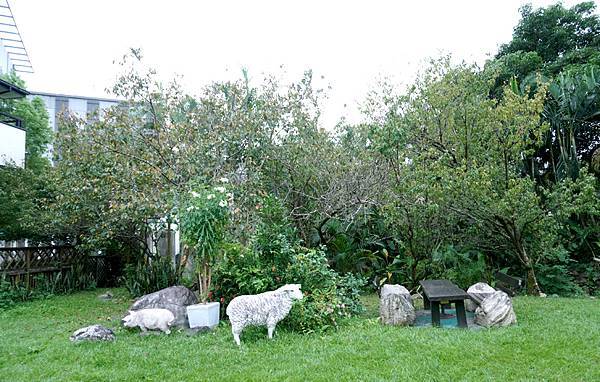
(92, 110)
(61, 106)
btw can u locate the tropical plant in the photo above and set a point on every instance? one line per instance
(203, 218)
(149, 275)
(573, 105)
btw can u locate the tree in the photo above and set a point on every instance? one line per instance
(118, 174)
(455, 157)
(24, 191)
(561, 47)
(555, 31)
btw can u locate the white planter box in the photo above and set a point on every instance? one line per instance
(203, 315)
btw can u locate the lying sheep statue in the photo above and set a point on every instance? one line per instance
(262, 309)
(150, 319)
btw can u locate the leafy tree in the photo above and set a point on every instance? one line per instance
(119, 174)
(455, 157)
(555, 31)
(23, 193)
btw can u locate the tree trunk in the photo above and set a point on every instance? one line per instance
(533, 288)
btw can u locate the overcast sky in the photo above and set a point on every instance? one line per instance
(72, 44)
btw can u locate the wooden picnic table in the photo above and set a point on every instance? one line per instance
(436, 292)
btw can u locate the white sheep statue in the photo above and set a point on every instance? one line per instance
(150, 319)
(262, 309)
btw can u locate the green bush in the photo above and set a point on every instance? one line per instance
(327, 296)
(555, 279)
(10, 294)
(240, 272)
(149, 276)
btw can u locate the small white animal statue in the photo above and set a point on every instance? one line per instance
(262, 309)
(150, 319)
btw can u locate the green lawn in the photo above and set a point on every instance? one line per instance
(556, 339)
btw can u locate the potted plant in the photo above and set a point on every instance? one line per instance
(204, 219)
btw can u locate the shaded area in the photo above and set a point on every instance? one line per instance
(447, 320)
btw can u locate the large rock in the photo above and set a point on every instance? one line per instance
(395, 306)
(93, 333)
(495, 310)
(175, 299)
(478, 292)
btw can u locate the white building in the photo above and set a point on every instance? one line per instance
(13, 57)
(12, 132)
(84, 107)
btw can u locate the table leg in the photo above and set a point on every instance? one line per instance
(426, 304)
(461, 315)
(435, 313)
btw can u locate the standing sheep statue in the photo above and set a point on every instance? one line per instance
(262, 309)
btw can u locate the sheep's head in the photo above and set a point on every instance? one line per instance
(293, 291)
(130, 320)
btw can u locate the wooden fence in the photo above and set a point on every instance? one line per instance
(24, 263)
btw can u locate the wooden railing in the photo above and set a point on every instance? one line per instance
(24, 262)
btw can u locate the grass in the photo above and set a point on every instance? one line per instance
(557, 339)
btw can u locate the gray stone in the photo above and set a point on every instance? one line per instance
(478, 292)
(496, 310)
(175, 299)
(395, 306)
(93, 333)
(106, 296)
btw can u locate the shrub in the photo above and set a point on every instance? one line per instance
(240, 272)
(13, 294)
(327, 296)
(149, 276)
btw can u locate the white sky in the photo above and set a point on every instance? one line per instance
(72, 44)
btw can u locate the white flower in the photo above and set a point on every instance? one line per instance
(220, 189)
(189, 208)
(175, 149)
(223, 180)
(229, 195)
(210, 196)
(223, 203)
(195, 194)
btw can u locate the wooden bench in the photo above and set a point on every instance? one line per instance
(509, 284)
(436, 292)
